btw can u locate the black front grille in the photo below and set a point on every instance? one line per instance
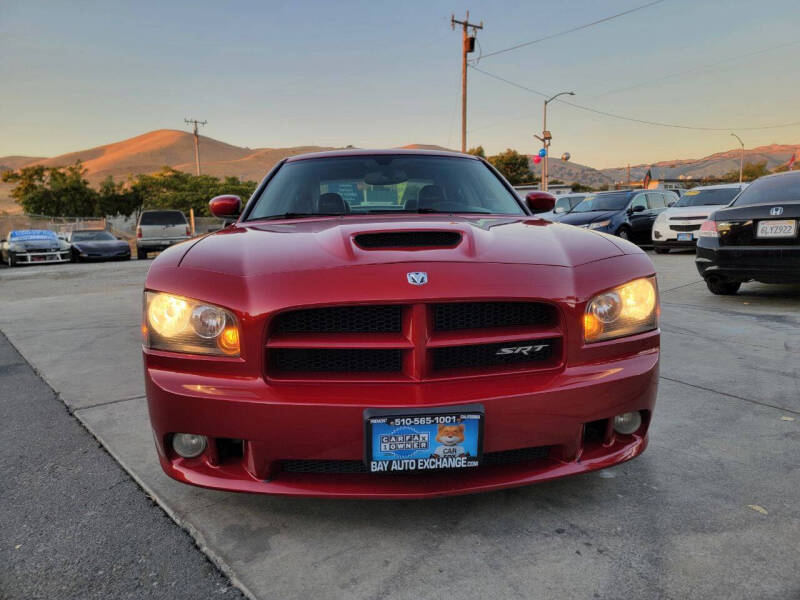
(408, 239)
(700, 218)
(685, 227)
(504, 457)
(486, 315)
(335, 360)
(341, 319)
(492, 355)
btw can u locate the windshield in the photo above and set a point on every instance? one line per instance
(163, 217)
(563, 204)
(93, 236)
(598, 202)
(702, 197)
(771, 190)
(383, 183)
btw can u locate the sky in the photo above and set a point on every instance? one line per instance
(381, 74)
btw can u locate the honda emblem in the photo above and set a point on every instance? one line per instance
(776, 211)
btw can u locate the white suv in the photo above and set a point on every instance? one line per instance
(677, 226)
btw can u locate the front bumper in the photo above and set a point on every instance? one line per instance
(310, 422)
(42, 257)
(767, 264)
(155, 245)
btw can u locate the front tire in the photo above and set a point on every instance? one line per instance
(721, 287)
(12, 259)
(624, 233)
(141, 254)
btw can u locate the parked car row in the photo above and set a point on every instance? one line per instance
(155, 230)
(742, 232)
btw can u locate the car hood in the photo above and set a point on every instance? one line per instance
(583, 218)
(36, 245)
(676, 212)
(261, 248)
(100, 245)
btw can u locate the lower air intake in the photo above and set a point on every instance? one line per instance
(504, 457)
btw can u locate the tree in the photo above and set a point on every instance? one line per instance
(750, 172)
(514, 166)
(53, 191)
(114, 198)
(178, 190)
(477, 151)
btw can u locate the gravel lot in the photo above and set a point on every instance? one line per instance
(709, 511)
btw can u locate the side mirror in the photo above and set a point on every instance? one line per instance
(226, 206)
(559, 209)
(671, 203)
(539, 202)
(635, 209)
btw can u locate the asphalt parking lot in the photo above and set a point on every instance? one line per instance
(710, 510)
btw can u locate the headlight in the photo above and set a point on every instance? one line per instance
(625, 310)
(661, 218)
(181, 324)
(600, 224)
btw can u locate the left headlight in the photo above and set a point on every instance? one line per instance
(625, 310)
(600, 224)
(179, 324)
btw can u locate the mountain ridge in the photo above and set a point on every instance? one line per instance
(149, 152)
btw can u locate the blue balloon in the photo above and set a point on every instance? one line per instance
(542, 152)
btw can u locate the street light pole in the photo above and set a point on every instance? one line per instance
(741, 158)
(546, 137)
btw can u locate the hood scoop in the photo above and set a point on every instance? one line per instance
(390, 240)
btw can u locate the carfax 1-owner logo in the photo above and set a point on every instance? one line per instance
(424, 442)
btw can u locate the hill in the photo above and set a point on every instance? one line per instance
(151, 151)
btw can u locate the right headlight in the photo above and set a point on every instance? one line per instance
(179, 324)
(625, 310)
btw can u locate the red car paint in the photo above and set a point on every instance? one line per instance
(259, 269)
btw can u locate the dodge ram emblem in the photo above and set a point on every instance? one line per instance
(417, 277)
(776, 211)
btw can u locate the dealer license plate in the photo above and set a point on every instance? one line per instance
(685, 237)
(424, 439)
(777, 229)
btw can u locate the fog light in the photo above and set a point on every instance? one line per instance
(188, 445)
(627, 423)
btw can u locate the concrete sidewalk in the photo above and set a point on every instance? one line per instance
(73, 524)
(675, 523)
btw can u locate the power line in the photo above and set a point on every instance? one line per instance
(631, 119)
(695, 69)
(566, 31)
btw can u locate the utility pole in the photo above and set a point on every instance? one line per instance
(741, 158)
(195, 122)
(467, 46)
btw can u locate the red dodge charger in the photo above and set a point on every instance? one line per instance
(396, 324)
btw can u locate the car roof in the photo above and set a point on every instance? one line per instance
(384, 151)
(719, 186)
(784, 174)
(152, 210)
